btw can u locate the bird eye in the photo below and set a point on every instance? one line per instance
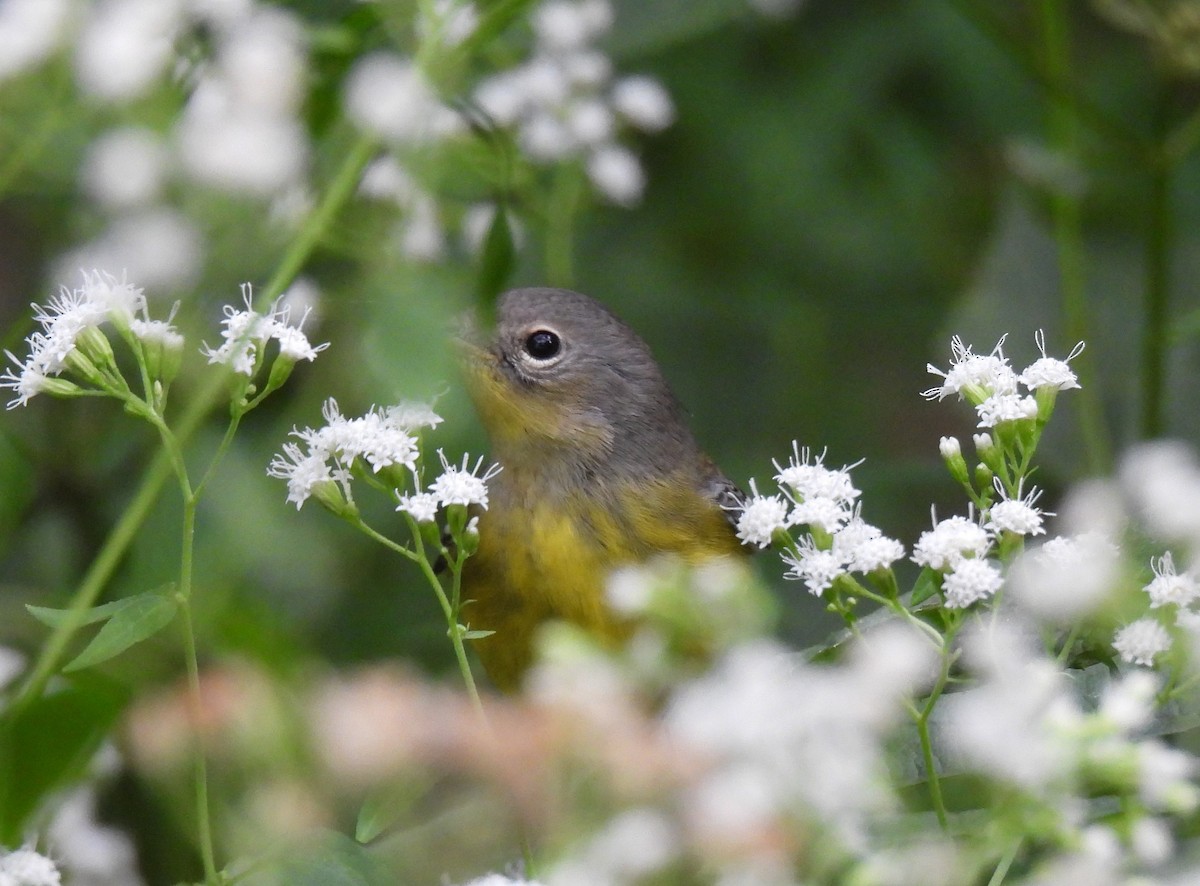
(543, 345)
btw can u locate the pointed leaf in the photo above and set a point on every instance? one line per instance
(46, 744)
(926, 586)
(140, 617)
(498, 257)
(53, 618)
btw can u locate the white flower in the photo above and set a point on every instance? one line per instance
(29, 868)
(1066, 577)
(391, 96)
(818, 569)
(814, 480)
(949, 542)
(1162, 479)
(29, 31)
(969, 581)
(421, 506)
(563, 25)
(761, 517)
(64, 318)
(617, 174)
(302, 470)
(247, 331)
(244, 332)
(125, 46)
(293, 343)
(1000, 408)
(1048, 372)
(449, 22)
(412, 416)
(827, 513)
(974, 376)
(864, 547)
(126, 166)
(460, 486)
(643, 102)
(1128, 702)
(1017, 515)
(1167, 587)
(1140, 642)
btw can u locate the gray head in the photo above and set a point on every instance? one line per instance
(563, 377)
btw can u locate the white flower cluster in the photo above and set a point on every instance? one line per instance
(382, 438)
(959, 547)
(247, 332)
(26, 867)
(66, 321)
(564, 103)
(1023, 724)
(824, 499)
(240, 130)
(992, 386)
(782, 742)
(1160, 482)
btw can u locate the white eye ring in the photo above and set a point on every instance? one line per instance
(542, 346)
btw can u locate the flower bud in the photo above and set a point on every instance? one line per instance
(952, 455)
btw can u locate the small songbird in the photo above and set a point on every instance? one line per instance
(599, 470)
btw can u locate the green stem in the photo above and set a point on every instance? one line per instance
(341, 188)
(922, 722)
(113, 549)
(1154, 330)
(448, 608)
(1005, 863)
(200, 764)
(1063, 131)
(560, 225)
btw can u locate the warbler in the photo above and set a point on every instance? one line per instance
(599, 470)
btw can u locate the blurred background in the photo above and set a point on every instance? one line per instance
(844, 186)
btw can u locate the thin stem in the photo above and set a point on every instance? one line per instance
(1154, 330)
(560, 225)
(113, 550)
(200, 765)
(339, 192)
(922, 722)
(1005, 863)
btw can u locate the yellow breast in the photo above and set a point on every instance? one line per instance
(551, 560)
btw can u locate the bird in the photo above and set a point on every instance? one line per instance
(599, 471)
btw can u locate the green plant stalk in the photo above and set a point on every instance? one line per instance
(340, 190)
(448, 608)
(1154, 328)
(1004, 864)
(922, 722)
(200, 764)
(560, 225)
(113, 549)
(1063, 127)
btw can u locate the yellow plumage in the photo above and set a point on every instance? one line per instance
(598, 471)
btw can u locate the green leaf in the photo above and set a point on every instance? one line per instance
(325, 859)
(476, 635)
(54, 618)
(928, 583)
(131, 622)
(385, 807)
(498, 258)
(46, 744)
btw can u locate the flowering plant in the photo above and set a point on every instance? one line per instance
(201, 689)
